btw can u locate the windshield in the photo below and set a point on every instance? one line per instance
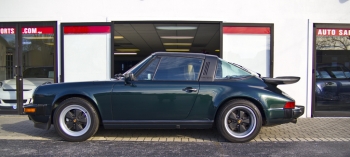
(137, 67)
(226, 70)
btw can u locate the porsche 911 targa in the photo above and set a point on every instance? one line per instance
(167, 91)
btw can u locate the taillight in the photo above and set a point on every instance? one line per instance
(289, 105)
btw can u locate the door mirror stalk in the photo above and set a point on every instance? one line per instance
(128, 78)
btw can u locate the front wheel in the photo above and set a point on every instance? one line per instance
(239, 121)
(76, 120)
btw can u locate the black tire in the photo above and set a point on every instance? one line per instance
(76, 120)
(239, 120)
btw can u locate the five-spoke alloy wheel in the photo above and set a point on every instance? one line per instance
(75, 119)
(239, 120)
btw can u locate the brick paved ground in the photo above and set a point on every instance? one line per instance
(14, 127)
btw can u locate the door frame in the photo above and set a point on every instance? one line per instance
(315, 113)
(18, 58)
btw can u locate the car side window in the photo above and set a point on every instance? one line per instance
(332, 72)
(178, 68)
(148, 72)
(225, 70)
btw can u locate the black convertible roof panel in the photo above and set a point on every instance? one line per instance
(184, 54)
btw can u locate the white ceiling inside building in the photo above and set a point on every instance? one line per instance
(145, 39)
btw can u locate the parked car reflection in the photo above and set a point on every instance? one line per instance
(32, 78)
(332, 84)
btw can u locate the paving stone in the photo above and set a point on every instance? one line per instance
(316, 139)
(118, 139)
(162, 139)
(273, 139)
(346, 139)
(133, 139)
(309, 139)
(265, 139)
(280, 139)
(148, 139)
(258, 140)
(110, 138)
(98, 138)
(170, 139)
(140, 139)
(177, 139)
(155, 139)
(287, 139)
(307, 129)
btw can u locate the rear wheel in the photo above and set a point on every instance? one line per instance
(239, 121)
(76, 120)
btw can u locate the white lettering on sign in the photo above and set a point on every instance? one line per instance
(344, 32)
(30, 31)
(7, 31)
(326, 32)
(334, 32)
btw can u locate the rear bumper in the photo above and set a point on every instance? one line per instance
(294, 113)
(285, 115)
(41, 117)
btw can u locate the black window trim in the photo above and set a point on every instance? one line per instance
(161, 57)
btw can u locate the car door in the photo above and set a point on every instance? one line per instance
(165, 89)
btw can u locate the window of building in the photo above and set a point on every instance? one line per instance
(249, 46)
(332, 63)
(27, 60)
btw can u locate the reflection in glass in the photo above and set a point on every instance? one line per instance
(332, 90)
(7, 48)
(178, 68)
(7, 70)
(37, 62)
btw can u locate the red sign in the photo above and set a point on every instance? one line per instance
(7, 30)
(332, 32)
(86, 29)
(37, 30)
(246, 30)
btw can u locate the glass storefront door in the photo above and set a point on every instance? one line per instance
(27, 53)
(8, 53)
(332, 74)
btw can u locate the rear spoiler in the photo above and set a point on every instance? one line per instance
(281, 80)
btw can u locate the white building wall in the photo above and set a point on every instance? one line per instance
(292, 21)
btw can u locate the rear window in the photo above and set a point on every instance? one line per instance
(226, 70)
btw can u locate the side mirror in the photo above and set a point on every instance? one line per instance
(128, 78)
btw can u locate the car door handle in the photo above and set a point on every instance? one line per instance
(329, 83)
(189, 89)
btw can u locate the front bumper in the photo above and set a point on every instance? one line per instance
(41, 117)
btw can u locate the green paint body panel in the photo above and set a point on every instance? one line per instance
(150, 100)
(166, 101)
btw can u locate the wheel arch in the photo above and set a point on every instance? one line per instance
(254, 101)
(62, 98)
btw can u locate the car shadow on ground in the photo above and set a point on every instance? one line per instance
(24, 129)
(184, 135)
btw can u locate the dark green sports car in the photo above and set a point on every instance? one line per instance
(170, 91)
